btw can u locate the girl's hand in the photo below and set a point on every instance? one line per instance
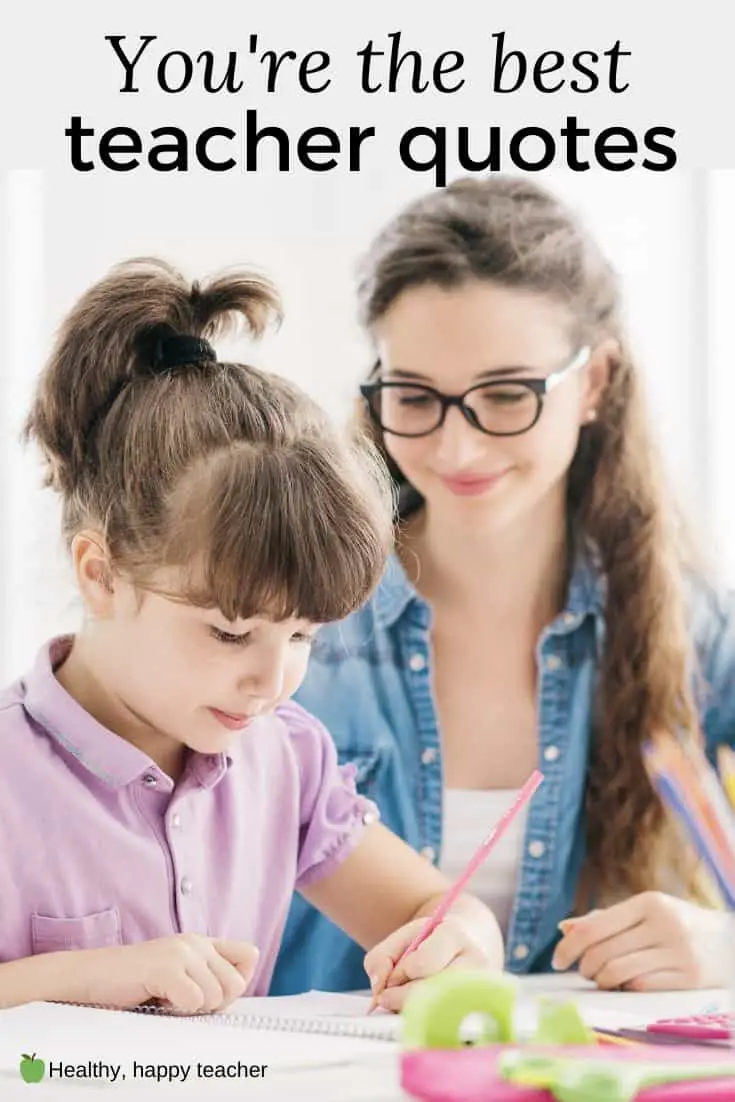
(650, 942)
(186, 973)
(451, 945)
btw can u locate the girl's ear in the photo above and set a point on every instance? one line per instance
(602, 361)
(94, 573)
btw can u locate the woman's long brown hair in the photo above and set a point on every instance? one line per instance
(513, 232)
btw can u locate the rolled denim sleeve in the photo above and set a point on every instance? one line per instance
(714, 638)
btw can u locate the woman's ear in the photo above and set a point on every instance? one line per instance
(94, 573)
(601, 364)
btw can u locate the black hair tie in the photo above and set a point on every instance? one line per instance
(178, 350)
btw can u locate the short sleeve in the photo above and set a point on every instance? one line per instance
(333, 816)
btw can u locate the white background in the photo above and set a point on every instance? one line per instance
(672, 237)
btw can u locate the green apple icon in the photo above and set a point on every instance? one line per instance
(31, 1069)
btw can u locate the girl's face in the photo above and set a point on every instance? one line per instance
(187, 673)
(481, 331)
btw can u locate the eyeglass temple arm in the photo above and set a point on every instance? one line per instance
(579, 361)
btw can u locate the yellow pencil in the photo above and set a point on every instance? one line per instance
(726, 762)
(613, 1039)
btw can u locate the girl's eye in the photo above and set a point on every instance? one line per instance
(227, 637)
(301, 637)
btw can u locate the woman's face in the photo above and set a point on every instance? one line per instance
(452, 340)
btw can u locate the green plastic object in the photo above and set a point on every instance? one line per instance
(435, 1010)
(572, 1079)
(560, 1023)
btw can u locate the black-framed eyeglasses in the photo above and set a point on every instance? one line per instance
(501, 407)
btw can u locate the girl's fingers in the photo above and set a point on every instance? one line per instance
(393, 998)
(208, 983)
(179, 993)
(230, 980)
(379, 962)
(440, 949)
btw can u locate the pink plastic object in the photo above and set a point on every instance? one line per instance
(699, 1027)
(469, 1075)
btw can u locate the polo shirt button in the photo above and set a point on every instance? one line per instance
(429, 853)
(428, 755)
(186, 886)
(551, 753)
(520, 952)
(369, 817)
(570, 619)
(537, 849)
(417, 662)
(149, 780)
(553, 662)
(176, 821)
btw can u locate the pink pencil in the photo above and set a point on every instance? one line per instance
(525, 794)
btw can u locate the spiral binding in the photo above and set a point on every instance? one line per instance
(342, 1027)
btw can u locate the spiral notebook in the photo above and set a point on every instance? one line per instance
(288, 1034)
(313, 1012)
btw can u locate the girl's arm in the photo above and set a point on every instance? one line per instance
(49, 977)
(189, 972)
(380, 891)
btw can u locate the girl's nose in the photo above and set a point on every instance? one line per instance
(265, 675)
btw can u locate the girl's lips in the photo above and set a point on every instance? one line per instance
(230, 721)
(471, 485)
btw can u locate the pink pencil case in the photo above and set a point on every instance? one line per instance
(470, 1075)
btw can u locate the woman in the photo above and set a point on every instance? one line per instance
(540, 607)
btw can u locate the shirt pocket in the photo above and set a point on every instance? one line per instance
(93, 931)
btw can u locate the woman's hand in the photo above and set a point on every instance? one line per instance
(453, 944)
(650, 942)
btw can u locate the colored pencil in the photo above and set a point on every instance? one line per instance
(453, 893)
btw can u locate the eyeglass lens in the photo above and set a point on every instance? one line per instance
(501, 408)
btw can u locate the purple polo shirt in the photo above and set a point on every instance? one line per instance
(99, 847)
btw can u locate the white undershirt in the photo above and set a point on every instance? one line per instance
(469, 816)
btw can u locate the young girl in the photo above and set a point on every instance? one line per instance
(159, 798)
(540, 607)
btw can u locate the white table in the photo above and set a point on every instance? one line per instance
(369, 1073)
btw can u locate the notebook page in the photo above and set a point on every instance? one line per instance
(128, 1042)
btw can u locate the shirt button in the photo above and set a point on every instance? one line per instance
(428, 852)
(370, 817)
(186, 886)
(149, 780)
(428, 755)
(570, 619)
(417, 662)
(176, 821)
(551, 753)
(537, 849)
(553, 662)
(520, 952)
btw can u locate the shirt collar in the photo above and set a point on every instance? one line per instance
(586, 594)
(109, 757)
(587, 590)
(395, 595)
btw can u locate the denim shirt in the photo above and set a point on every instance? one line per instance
(370, 682)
